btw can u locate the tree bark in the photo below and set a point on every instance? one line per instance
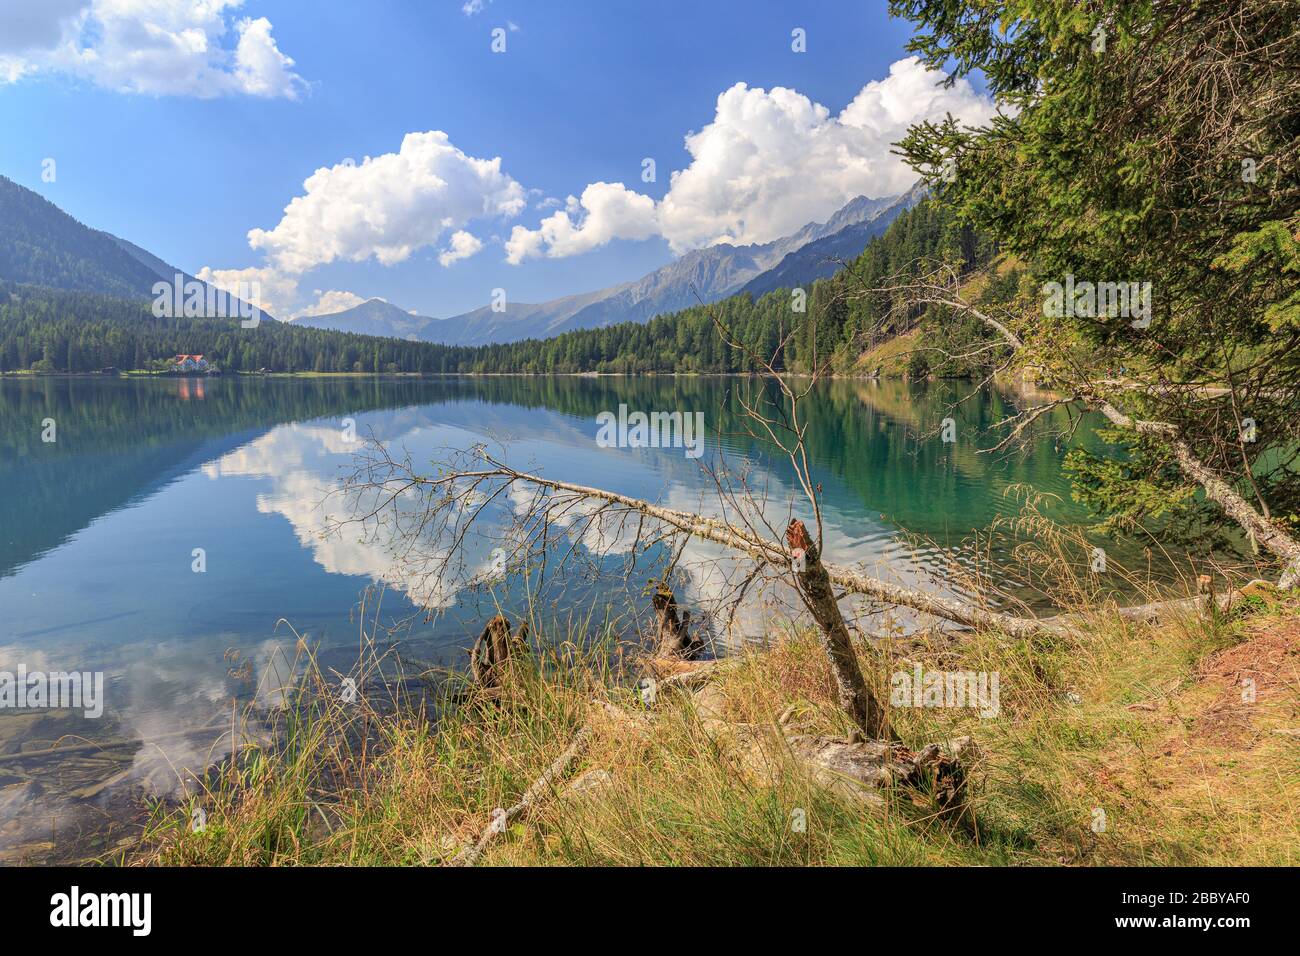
(819, 595)
(937, 605)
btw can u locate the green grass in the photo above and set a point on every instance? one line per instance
(347, 785)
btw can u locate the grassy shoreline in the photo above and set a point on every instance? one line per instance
(1147, 724)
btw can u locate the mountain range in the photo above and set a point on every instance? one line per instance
(42, 245)
(713, 272)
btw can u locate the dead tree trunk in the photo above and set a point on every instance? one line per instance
(1263, 531)
(819, 596)
(673, 634)
(721, 532)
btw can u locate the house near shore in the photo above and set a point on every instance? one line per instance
(190, 363)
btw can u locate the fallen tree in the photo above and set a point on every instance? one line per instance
(1060, 372)
(566, 495)
(1151, 251)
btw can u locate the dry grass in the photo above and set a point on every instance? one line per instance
(890, 356)
(1146, 724)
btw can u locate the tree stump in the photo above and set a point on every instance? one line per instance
(674, 638)
(491, 654)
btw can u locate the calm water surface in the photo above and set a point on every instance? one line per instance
(98, 532)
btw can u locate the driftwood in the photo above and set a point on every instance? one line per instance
(695, 676)
(96, 746)
(539, 789)
(853, 767)
(1201, 602)
(860, 768)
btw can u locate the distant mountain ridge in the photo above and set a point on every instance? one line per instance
(520, 320)
(715, 272)
(372, 317)
(822, 257)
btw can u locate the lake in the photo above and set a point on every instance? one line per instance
(172, 532)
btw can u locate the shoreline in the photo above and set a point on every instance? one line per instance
(728, 751)
(142, 373)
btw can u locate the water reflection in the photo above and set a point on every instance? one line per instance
(98, 533)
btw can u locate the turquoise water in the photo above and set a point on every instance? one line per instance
(99, 530)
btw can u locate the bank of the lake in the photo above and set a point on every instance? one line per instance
(1117, 745)
(221, 491)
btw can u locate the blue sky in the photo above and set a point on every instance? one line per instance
(181, 125)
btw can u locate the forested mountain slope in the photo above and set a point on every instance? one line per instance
(40, 244)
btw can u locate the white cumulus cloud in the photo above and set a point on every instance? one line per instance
(36, 24)
(606, 211)
(767, 163)
(260, 68)
(773, 160)
(268, 289)
(462, 246)
(154, 47)
(388, 206)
